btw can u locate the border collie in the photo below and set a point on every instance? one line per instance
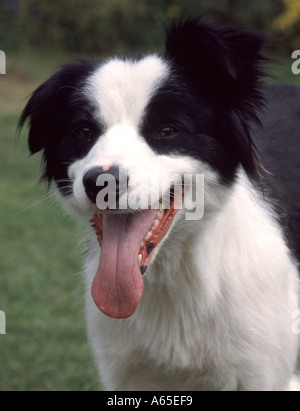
(207, 302)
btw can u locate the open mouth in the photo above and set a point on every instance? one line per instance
(128, 242)
(161, 224)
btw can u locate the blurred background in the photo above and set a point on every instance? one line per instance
(41, 286)
(103, 27)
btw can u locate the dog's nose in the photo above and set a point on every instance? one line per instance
(114, 175)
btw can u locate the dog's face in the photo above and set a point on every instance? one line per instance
(119, 137)
(131, 134)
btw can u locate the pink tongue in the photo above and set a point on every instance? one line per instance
(118, 285)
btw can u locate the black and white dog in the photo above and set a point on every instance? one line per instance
(201, 294)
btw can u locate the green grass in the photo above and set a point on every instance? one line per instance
(41, 288)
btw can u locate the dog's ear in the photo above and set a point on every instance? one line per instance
(45, 108)
(41, 113)
(223, 61)
(224, 66)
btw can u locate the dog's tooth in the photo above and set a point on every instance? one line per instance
(160, 213)
(149, 234)
(155, 224)
(142, 244)
(140, 257)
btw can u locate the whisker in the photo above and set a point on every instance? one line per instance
(48, 196)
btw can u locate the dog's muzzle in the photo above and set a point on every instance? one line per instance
(113, 178)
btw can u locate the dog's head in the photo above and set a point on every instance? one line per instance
(124, 139)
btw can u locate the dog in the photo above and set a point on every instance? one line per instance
(196, 285)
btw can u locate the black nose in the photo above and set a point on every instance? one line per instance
(114, 179)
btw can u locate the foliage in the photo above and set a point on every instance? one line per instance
(288, 24)
(290, 17)
(104, 27)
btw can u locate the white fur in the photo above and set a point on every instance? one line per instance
(123, 88)
(216, 313)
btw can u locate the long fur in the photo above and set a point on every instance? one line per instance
(220, 292)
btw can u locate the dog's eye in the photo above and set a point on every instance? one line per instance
(168, 131)
(84, 132)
